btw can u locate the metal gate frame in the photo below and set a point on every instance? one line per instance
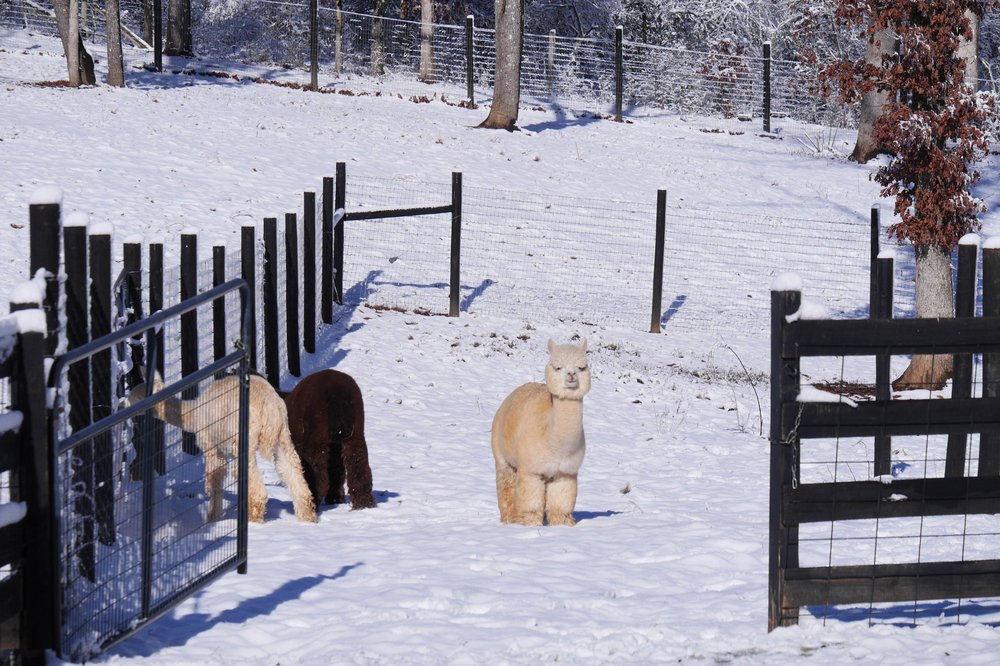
(107, 631)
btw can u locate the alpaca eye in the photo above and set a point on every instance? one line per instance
(557, 368)
(583, 368)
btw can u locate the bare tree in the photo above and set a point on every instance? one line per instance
(78, 61)
(881, 47)
(116, 62)
(179, 42)
(507, 77)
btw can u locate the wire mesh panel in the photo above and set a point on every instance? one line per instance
(140, 526)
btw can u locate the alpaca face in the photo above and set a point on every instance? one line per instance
(568, 373)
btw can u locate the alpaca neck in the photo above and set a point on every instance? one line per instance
(566, 418)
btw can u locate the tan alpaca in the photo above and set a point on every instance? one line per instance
(214, 417)
(538, 441)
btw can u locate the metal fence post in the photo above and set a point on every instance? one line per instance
(661, 232)
(767, 86)
(189, 325)
(881, 308)
(873, 252)
(314, 44)
(619, 71)
(550, 65)
(470, 28)
(456, 243)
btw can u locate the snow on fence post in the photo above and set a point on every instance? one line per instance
(271, 370)
(965, 307)
(989, 442)
(326, 294)
(45, 227)
(767, 87)
(293, 341)
(619, 71)
(470, 29)
(218, 305)
(456, 243)
(248, 271)
(189, 323)
(661, 232)
(881, 308)
(340, 203)
(103, 378)
(786, 299)
(873, 252)
(37, 625)
(309, 272)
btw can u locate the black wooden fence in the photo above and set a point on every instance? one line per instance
(960, 472)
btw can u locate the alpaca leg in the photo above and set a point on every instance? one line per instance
(215, 477)
(506, 478)
(358, 472)
(256, 491)
(333, 468)
(560, 498)
(529, 499)
(290, 470)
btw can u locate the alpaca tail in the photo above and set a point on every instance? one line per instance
(289, 468)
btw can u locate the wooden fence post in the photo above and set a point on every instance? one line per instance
(309, 272)
(326, 292)
(271, 370)
(873, 252)
(293, 341)
(661, 233)
(219, 343)
(77, 307)
(786, 298)
(340, 202)
(881, 308)
(102, 380)
(961, 384)
(248, 271)
(314, 44)
(456, 244)
(189, 324)
(989, 442)
(155, 349)
(45, 227)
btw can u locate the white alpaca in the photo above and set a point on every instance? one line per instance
(538, 441)
(214, 417)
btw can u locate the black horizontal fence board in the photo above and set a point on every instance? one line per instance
(396, 212)
(882, 583)
(861, 500)
(893, 417)
(868, 337)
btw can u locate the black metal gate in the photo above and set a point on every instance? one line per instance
(132, 539)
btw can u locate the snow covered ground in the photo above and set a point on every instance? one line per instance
(668, 562)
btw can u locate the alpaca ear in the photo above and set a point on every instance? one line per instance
(552, 346)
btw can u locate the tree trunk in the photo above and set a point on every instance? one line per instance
(935, 298)
(147, 20)
(872, 102)
(79, 64)
(179, 42)
(426, 41)
(968, 50)
(507, 77)
(116, 62)
(378, 38)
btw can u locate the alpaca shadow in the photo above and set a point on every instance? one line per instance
(177, 630)
(944, 612)
(381, 497)
(563, 120)
(331, 336)
(581, 516)
(673, 309)
(474, 294)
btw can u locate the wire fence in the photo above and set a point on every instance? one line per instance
(547, 258)
(271, 41)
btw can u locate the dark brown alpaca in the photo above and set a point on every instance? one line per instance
(326, 416)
